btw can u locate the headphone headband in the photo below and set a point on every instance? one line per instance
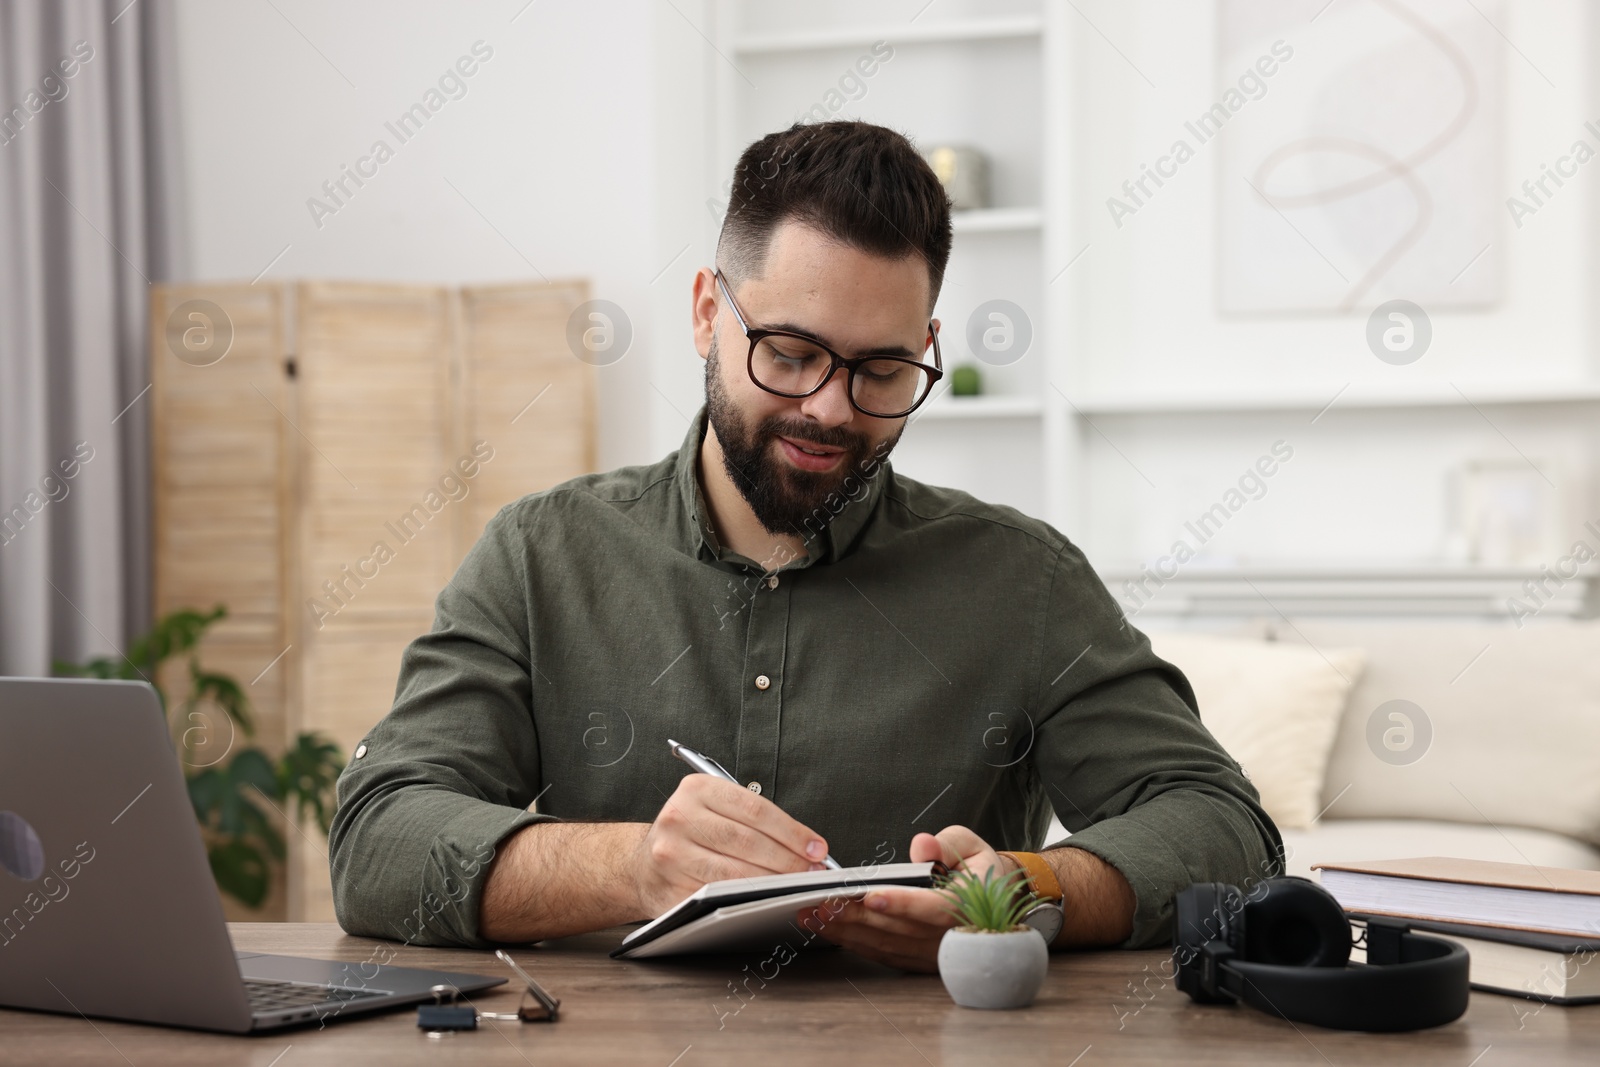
(1430, 989)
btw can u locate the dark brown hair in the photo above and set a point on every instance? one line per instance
(862, 185)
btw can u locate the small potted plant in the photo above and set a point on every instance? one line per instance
(991, 960)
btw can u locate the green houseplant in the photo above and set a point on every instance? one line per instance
(243, 842)
(990, 959)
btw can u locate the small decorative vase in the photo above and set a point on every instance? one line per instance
(990, 970)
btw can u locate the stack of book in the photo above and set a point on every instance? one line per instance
(1530, 931)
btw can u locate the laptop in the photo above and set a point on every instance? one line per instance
(107, 904)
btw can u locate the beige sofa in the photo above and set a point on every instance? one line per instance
(1493, 754)
(1512, 769)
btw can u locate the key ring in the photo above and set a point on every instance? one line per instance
(445, 1015)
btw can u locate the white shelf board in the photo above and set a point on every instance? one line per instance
(1354, 570)
(997, 220)
(956, 30)
(1365, 395)
(947, 407)
(1399, 588)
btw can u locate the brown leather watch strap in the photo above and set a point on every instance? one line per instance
(1041, 879)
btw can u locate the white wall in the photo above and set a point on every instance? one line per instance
(1154, 286)
(1367, 484)
(587, 143)
(552, 151)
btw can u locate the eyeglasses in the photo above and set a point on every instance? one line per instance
(794, 365)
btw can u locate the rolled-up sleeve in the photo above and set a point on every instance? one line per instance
(1129, 768)
(449, 773)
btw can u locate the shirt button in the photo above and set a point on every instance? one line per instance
(361, 750)
(772, 581)
(755, 787)
(762, 681)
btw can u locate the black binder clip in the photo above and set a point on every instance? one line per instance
(444, 1015)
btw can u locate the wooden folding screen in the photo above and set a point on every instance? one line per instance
(324, 455)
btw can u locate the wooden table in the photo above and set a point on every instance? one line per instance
(825, 1007)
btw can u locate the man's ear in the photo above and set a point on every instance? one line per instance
(703, 310)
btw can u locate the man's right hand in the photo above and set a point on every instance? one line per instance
(711, 829)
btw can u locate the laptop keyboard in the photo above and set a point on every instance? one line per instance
(272, 997)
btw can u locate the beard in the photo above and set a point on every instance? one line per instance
(782, 496)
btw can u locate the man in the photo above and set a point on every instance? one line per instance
(873, 657)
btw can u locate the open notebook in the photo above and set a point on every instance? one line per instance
(753, 914)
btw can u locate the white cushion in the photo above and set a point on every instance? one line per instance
(1514, 717)
(1344, 840)
(1274, 707)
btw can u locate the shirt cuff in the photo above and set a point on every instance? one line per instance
(450, 891)
(1157, 872)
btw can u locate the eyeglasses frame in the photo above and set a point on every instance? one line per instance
(755, 336)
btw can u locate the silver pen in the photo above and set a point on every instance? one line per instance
(707, 765)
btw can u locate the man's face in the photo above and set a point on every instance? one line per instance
(852, 301)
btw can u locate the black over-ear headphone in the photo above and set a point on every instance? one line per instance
(1284, 947)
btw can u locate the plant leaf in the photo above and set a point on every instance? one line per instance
(243, 839)
(250, 766)
(173, 634)
(99, 667)
(308, 777)
(206, 791)
(257, 824)
(224, 692)
(992, 903)
(241, 871)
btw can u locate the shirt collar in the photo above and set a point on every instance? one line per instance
(841, 517)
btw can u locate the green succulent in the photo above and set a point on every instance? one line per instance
(991, 904)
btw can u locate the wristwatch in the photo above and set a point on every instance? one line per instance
(1047, 916)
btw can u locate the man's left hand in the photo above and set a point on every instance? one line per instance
(902, 926)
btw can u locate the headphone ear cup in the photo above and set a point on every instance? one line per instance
(1294, 922)
(1204, 912)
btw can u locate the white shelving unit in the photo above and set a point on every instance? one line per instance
(997, 220)
(952, 30)
(989, 75)
(1462, 591)
(944, 406)
(1092, 430)
(1349, 395)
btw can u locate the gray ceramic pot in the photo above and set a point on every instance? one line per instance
(986, 970)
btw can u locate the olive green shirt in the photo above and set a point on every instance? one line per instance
(932, 660)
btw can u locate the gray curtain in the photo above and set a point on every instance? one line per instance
(86, 183)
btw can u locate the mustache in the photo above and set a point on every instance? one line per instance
(836, 437)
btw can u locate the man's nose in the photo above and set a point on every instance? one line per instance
(830, 405)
